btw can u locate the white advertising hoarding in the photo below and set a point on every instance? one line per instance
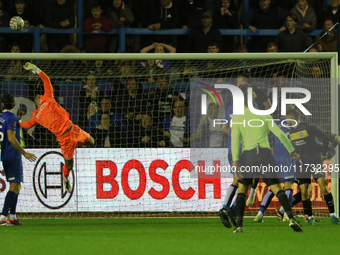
(110, 180)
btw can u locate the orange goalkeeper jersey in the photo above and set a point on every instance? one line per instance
(49, 113)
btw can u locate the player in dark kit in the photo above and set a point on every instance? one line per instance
(303, 137)
(11, 151)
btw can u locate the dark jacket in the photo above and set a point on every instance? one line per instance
(296, 42)
(155, 13)
(198, 42)
(57, 13)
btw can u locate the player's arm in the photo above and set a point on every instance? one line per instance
(28, 124)
(319, 134)
(261, 94)
(15, 143)
(235, 143)
(47, 83)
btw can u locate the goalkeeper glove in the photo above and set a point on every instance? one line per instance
(31, 67)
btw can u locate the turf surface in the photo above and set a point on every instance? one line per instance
(166, 236)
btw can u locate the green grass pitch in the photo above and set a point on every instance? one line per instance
(161, 236)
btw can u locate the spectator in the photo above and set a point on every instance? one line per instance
(328, 43)
(242, 49)
(89, 98)
(105, 107)
(199, 39)
(162, 98)
(146, 135)
(177, 126)
(120, 15)
(224, 18)
(100, 68)
(96, 43)
(160, 48)
(265, 17)
(159, 14)
(125, 69)
(306, 16)
(208, 136)
(332, 12)
(272, 48)
(105, 134)
(24, 40)
(60, 15)
(15, 66)
(133, 102)
(21, 11)
(292, 40)
(4, 22)
(191, 11)
(162, 14)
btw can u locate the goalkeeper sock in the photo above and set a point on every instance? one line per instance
(66, 172)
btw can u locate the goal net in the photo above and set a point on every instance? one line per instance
(137, 107)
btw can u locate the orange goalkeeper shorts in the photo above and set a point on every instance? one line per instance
(69, 141)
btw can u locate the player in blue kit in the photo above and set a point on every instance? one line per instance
(287, 174)
(11, 151)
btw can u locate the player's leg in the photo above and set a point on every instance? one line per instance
(264, 205)
(10, 200)
(231, 192)
(12, 216)
(67, 168)
(252, 192)
(283, 199)
(228, 199)
(227, 202)
(241, 203)
(328, 198)
(307, 205)
(14, 175)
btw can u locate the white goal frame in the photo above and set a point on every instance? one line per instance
(333, 57)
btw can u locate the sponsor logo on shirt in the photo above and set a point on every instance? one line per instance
(15, 124)
(41, 108)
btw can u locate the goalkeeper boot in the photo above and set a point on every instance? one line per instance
(224, 218)
(232, 217)
(295, 225)
(279, 214)
(334, 220)
(258, 219)
(67, 184)
(238, 230)
(16, 222)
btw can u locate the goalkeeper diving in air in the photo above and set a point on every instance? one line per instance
(56, 119)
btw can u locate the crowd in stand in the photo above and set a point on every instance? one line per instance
(203, 17)
(128, 116)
